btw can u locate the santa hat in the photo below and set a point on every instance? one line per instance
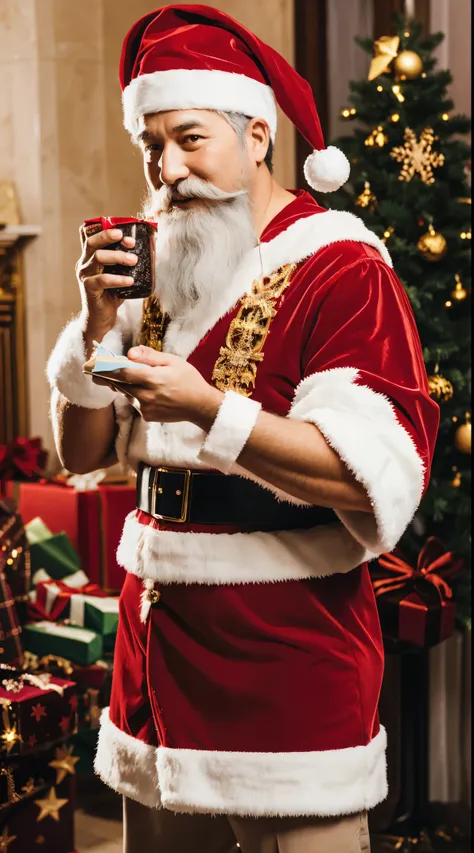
(196, 57)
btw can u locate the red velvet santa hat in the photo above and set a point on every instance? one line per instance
(196, 57)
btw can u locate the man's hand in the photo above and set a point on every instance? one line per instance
(168, 390)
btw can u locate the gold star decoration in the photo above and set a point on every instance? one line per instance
(386, 49)
(417, 156)
(5, 840)
(50, 805)
(38, 711)
(64, 763)
(9, 737)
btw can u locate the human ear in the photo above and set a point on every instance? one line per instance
(258, 139)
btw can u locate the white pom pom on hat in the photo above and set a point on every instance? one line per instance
(327, 170)
(197, 57)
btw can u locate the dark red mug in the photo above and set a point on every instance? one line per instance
(143, 273)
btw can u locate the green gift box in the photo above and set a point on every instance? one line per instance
(53, 553)
(97, 614)
(79, 645)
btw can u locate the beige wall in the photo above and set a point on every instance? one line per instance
(62, 141)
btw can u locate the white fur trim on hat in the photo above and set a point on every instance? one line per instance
(183, 89)
(327, 170)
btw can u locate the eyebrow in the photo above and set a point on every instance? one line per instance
(145, 135)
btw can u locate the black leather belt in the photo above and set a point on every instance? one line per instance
(203, 497)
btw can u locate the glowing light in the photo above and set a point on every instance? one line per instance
(445, 117)
(448, 304)
(395, 117)
(379, 88)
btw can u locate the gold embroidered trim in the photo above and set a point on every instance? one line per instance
(236, 367)
(237, 364)
(154, 323)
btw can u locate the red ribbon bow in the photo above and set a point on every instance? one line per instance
(434, 564)
(23, 459)
(37, 609)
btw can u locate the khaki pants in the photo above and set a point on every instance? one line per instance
(161, 831)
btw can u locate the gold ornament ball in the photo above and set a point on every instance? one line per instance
(462, 437)
(408, 65)
(440, 388)
(432, 245)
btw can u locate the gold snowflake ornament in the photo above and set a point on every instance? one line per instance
(417, 156)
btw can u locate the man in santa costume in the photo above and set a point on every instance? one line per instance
(282, 434)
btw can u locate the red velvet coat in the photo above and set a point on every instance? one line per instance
(251, 687)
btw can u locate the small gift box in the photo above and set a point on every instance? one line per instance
(67, 511)
(35, 710)
(86, 606)
(91, 511)
(415, 604)
(78, 645)
(52, 553)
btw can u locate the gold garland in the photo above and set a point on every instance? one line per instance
(154, 323)
(237, 364)
(236, 367)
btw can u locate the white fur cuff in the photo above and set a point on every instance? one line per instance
(230, 431)
(64, 370)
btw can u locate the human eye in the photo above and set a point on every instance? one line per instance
(153, 146)
(192, 139)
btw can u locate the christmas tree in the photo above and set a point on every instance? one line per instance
(410, 184)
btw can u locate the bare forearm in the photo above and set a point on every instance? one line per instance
(295, 457)
(84, 437)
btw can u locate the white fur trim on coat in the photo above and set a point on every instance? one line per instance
(361, 426)
(185, 89)
(64, 369)
(297, 243)
(230, 431)
(288, 784)
(65, 365)
(166, 556)
(325, 783)
(126, 764)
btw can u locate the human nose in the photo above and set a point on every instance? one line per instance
(172, 166)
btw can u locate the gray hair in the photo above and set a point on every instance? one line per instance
(240, 122)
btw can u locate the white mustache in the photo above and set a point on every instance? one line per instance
(194, 188)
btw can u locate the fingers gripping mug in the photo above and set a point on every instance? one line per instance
(143, 273)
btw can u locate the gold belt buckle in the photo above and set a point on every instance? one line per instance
(186, 472)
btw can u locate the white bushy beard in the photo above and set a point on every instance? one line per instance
(198, 249)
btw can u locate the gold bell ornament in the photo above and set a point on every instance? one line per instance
(462, 436)
(432, 245)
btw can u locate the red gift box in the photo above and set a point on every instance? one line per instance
(92, 519)
(415, 604)
(115, 502)
(34, 716)
(63, 508)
